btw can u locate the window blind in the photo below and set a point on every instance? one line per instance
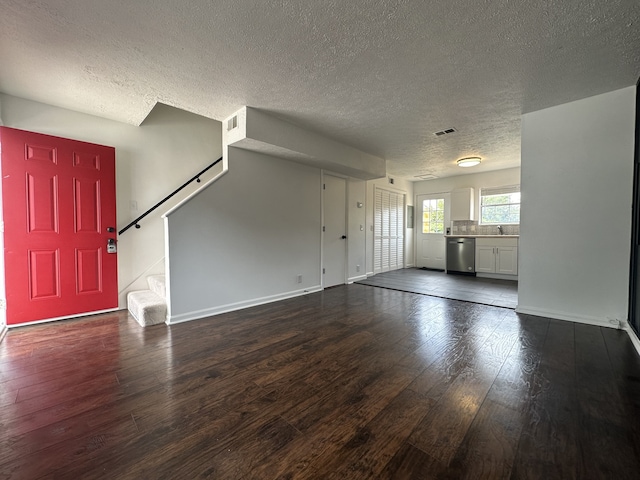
(499, 191)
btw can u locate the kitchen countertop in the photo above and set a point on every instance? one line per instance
(467, 235)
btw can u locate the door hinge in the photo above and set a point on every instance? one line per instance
(324, 186)
(324, 229)
(323, 271)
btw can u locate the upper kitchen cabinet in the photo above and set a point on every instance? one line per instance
(462, 204)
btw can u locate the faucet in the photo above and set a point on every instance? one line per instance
(500, 230)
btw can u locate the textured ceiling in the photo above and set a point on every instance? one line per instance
(382, 76)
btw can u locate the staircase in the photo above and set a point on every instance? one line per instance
(149, 307)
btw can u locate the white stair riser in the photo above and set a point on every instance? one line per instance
(147, 307)
(157, 285)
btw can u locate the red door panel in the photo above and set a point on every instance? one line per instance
(89, 270)
(44, 274)
(58, 202)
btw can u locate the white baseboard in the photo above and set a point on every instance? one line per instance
(497, 276)
(231, 307)
(357, 279)
(632, 335)
(570, 317)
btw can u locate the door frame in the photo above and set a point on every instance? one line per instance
(634, 268)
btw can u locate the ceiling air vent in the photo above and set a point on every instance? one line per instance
(444, 132)
(232, 123)
(426, 176)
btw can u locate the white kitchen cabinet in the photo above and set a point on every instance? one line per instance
(462, 204)
(497, 255)
(507, 260)
(485, 259)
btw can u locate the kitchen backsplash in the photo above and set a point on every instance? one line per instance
(469, 227)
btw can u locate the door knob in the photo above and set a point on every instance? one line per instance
(111, 229)
(343, 237)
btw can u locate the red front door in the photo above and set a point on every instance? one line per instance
(58, 202)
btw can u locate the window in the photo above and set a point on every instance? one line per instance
(499, 206)
(433, 215)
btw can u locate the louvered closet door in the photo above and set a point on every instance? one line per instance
(377, 229)
(388, 231)
(385, 231)
(393, 231)
(400, 233)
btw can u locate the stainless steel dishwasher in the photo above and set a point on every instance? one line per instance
(461, 255)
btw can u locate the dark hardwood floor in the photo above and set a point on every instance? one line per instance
(354, 382)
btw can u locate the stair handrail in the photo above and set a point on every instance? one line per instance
(181, 187)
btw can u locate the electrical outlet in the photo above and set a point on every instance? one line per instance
(299, 278)
(357, 268)
(3, 304)
(133, 205)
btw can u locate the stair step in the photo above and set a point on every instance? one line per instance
(147, 307)
(157, 284)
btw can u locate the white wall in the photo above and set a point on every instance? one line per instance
(356, 237)
(267, 134)
(151, 160)
(497, 178)
(401, 186)
(577, 168)
(244, 240)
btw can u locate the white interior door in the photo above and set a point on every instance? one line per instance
(433, 214)
(334, 245)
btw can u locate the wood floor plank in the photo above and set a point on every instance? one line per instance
(367, 452)
(8, 397)
(548, 445)
(352, 382)
(444, 430)
(411, 463)
(490, 445)
(601, 414)
(59, 455)
(66, 430)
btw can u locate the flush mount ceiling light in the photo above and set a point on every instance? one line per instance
(469, 162)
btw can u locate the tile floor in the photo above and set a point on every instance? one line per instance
(487, 291)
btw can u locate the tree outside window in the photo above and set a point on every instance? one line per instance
(500, 206)
(433, 215)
